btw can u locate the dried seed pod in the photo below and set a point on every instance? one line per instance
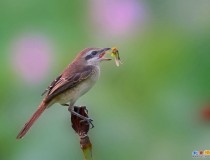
(81, 128)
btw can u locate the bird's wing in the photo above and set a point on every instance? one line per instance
(49, 88)
(67, 82)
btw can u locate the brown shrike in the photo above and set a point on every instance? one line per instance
(74, 82)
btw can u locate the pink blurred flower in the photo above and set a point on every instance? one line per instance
(31, 57)
(117, 17)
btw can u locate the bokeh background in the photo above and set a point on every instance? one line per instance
(154, 106)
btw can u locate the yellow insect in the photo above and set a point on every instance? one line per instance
(115, 54)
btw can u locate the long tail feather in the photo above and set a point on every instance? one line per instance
(31, 121)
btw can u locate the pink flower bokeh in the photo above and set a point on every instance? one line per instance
(31, 57)
(117, 17)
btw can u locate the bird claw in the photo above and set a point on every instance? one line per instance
(82, 113)
(89, 121)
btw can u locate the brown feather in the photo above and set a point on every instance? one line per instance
(68, 81)
(31, 121)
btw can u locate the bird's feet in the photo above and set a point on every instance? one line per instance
(89, 121)
(76, 112)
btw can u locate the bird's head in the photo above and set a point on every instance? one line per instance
(92, 56)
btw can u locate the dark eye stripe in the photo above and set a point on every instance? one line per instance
(94, 53)
(88, 57)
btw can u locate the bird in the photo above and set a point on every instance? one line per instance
(77, 79)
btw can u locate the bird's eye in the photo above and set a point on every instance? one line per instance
(94, 53)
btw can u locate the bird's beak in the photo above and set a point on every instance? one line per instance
(101, 54)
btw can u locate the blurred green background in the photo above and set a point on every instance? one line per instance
(154, 106)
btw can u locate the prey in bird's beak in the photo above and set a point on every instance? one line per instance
(102, 53)
(116, 55)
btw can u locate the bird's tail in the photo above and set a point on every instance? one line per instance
(31, 121)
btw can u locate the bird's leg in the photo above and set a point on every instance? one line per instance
(85, 109)
(71, 109)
